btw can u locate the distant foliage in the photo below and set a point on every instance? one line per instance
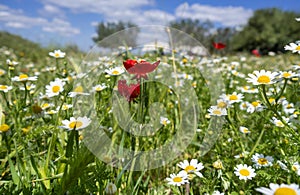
(104, 30)
(267, 30)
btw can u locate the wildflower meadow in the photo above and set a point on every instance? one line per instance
(154, 119)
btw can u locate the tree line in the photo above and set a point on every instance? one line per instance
(267, 30)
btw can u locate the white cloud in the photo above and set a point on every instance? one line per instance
(227, 16)
(51, 10)
(17, 19)
(99, 6)
(60, 26)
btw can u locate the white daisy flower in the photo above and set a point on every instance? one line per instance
(284, 189)
(294, 47)
(247, 89)
(287, 74)
(244, 130)
(77, 91)
(115, 71)
(254, 106)
(24, 78)
(11, 62)
(279, 123)
(44, 106)
(55, 87)
(178, 179)
(296, 168)
(262, 77)
(216, 111)
(76, 124)
(164, 121)
(297, 19)
(57, 54)
(99, 87)
(222, 103)
(5, 88)
(262, 161)
(244, 172)
(65, 107)
(192, 167)
(233, 98)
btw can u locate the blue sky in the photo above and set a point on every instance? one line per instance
(73, 21)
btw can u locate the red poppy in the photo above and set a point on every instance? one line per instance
(130, 92)
(219, 45)
(140, 69)
(255, 52)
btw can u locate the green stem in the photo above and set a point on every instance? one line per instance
(257, 142)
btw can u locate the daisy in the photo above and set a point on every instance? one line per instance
(233, 98)
(99, 87)
(244, 130)
(254, 106)
(64, 107)
(218, 164)
(57, 54)
(247, 89)
(287, 74)
(279, 123)
(297, 19)
(2, 72)
(44, 106)
(24, 78)
(76, 124)
(296, 168)
(262, 161)
(294, 47)
(284, 189)
(164, 121)
(244, 172)
(242, 155)
(5, 88)
(178, 179)
(216, 111)
(262, 77)
(192, 167)
(115, 71)
(11, 62)
(222, 103)
(77, 91)
(54, 88)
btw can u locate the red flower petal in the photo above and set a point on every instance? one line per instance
(129, 92)
(219, 45)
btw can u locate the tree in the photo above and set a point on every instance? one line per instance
(195, 28)
(127, 37)
(267, 30)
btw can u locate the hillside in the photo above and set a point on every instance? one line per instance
(21, 46)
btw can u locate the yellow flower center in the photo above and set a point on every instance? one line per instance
(217, 112)
(262, 161)
(233, 97)
(264, 79)
(294, 168)
(56, 55)
(184, 60)
(244, 172)
(177, 179)
(23, 76)
(78, 89)
(55, 89)
(189, 168)
(286, 74)
(3, 87)
(222, 105)
(279, 123)
(271, 100)
(115, 72)
(255, 104)
(245, 130)
(75, 124)
(4, 128)
(285, 191)
(298, 48)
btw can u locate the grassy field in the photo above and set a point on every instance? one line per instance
(72, 124)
